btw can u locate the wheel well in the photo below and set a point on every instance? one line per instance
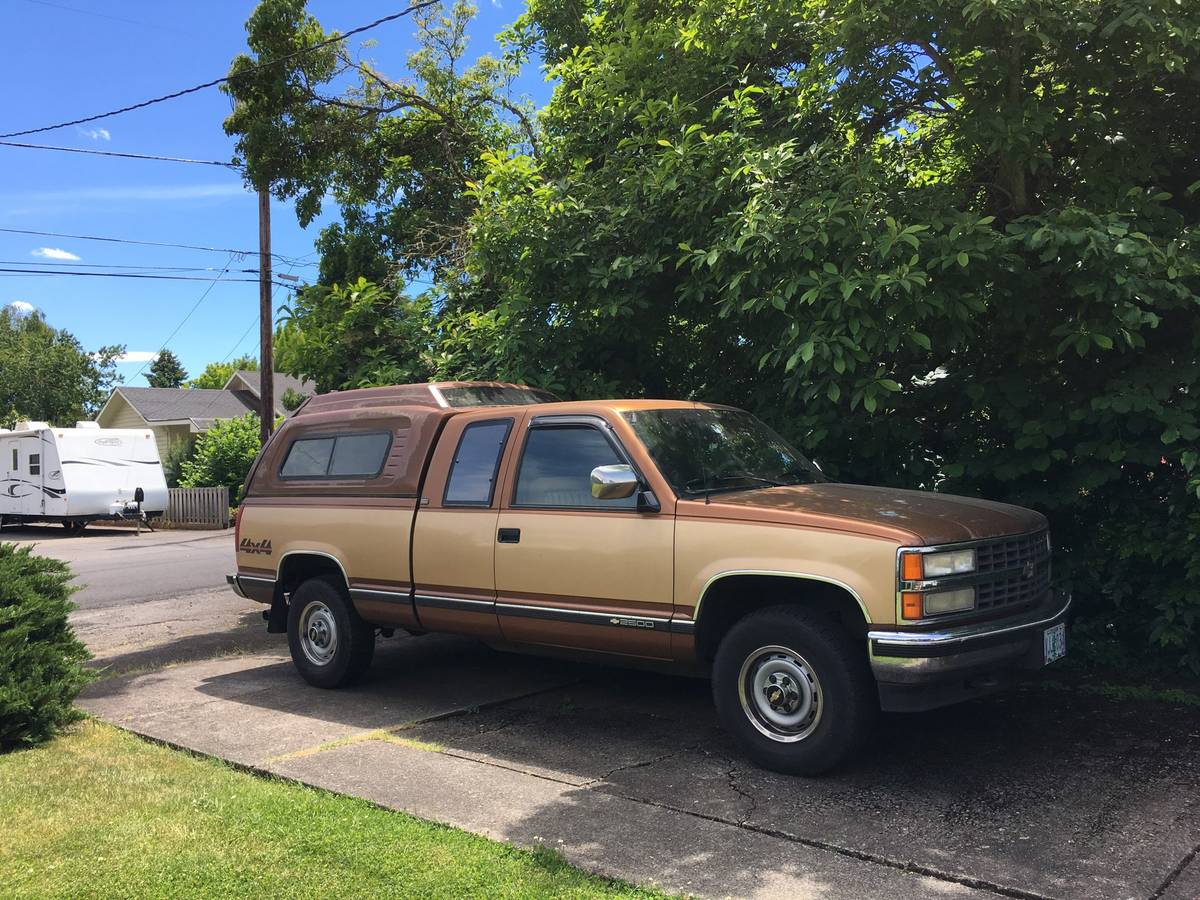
(299, 567)
(733, 597)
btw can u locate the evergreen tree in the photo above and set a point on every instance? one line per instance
(166, 371)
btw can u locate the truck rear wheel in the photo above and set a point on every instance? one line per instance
(793, 690)
(331, 645)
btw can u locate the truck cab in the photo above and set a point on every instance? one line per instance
(675, 533)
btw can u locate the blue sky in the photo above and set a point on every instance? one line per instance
(65, 59)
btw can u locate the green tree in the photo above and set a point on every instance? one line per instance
(166, 371)
(939, 245)
(292, 399)
(395, 152)
(42, 667)
(217, 374)
(222, 456)
(358, 335)
(46, 375)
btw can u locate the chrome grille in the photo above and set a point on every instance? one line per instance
(1022, 567)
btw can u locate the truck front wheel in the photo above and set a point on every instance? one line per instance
(331, 645)
(793, 690)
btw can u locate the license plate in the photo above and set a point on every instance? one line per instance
(1055, 642)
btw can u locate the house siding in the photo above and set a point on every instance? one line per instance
(121, 415)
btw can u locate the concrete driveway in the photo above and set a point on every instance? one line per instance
(1047, 792)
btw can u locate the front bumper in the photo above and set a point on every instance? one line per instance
(927, 669)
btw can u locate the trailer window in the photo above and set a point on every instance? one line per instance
(15, 466)
(35, 464)
(472, 479)
(337, 456)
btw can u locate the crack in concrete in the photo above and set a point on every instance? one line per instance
(731, 773)
(1174, 874)
(641, 764)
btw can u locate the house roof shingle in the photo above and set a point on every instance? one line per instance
(174, 404)
(282, 384)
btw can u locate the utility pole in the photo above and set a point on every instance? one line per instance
(266, 363)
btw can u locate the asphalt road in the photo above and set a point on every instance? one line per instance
(116, 567)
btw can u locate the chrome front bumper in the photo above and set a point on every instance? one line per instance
(925, 669)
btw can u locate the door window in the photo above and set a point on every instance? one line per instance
(15, 467)
(472, 480)
(556, 468)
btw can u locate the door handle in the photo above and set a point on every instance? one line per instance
(508, 536)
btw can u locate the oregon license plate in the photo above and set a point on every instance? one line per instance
(1055, 641)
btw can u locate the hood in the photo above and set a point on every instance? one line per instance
(909, 517)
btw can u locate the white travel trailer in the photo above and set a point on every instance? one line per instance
(79, 475)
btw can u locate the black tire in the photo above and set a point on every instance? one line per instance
(797, 727)
(337, 645)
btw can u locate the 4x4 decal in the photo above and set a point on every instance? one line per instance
(249, 546)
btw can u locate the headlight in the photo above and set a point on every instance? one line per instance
(950, 562)
(943, 602)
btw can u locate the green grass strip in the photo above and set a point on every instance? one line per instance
(100, 813)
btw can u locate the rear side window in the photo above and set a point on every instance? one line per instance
(35, 464)
(556, 468)
(337, 456)
(359, 455)
(472, 480)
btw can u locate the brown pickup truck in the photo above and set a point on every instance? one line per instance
(687, 534)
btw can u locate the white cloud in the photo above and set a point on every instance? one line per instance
(96, 134)
(138, 356)
(43, 203)
(22, 307)
(54, 253)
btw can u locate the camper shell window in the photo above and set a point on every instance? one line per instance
(35, 464)
(336, 456)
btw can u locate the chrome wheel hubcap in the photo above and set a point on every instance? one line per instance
(318, 633)
(780, 693)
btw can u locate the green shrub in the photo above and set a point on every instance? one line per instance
(41, 660)
(179, 453)
(223, 455)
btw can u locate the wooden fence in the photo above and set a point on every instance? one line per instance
(204, 507)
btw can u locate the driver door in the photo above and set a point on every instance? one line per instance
(572, 570)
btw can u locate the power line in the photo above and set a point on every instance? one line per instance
(112, 240)
(118, 275)
(92, 152)
(22, 262)
(254, 322)
(88, 12)
(183, 321)
(14, 272)
(224, 78)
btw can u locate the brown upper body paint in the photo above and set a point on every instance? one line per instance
(614, 580)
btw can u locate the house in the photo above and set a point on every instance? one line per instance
(180, 414)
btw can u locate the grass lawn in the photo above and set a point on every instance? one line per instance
(100, 813)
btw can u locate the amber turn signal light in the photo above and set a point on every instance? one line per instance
(912, 605)
(911, 567)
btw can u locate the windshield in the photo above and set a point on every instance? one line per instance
(702, 451)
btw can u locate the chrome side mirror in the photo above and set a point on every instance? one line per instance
(614, 482)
